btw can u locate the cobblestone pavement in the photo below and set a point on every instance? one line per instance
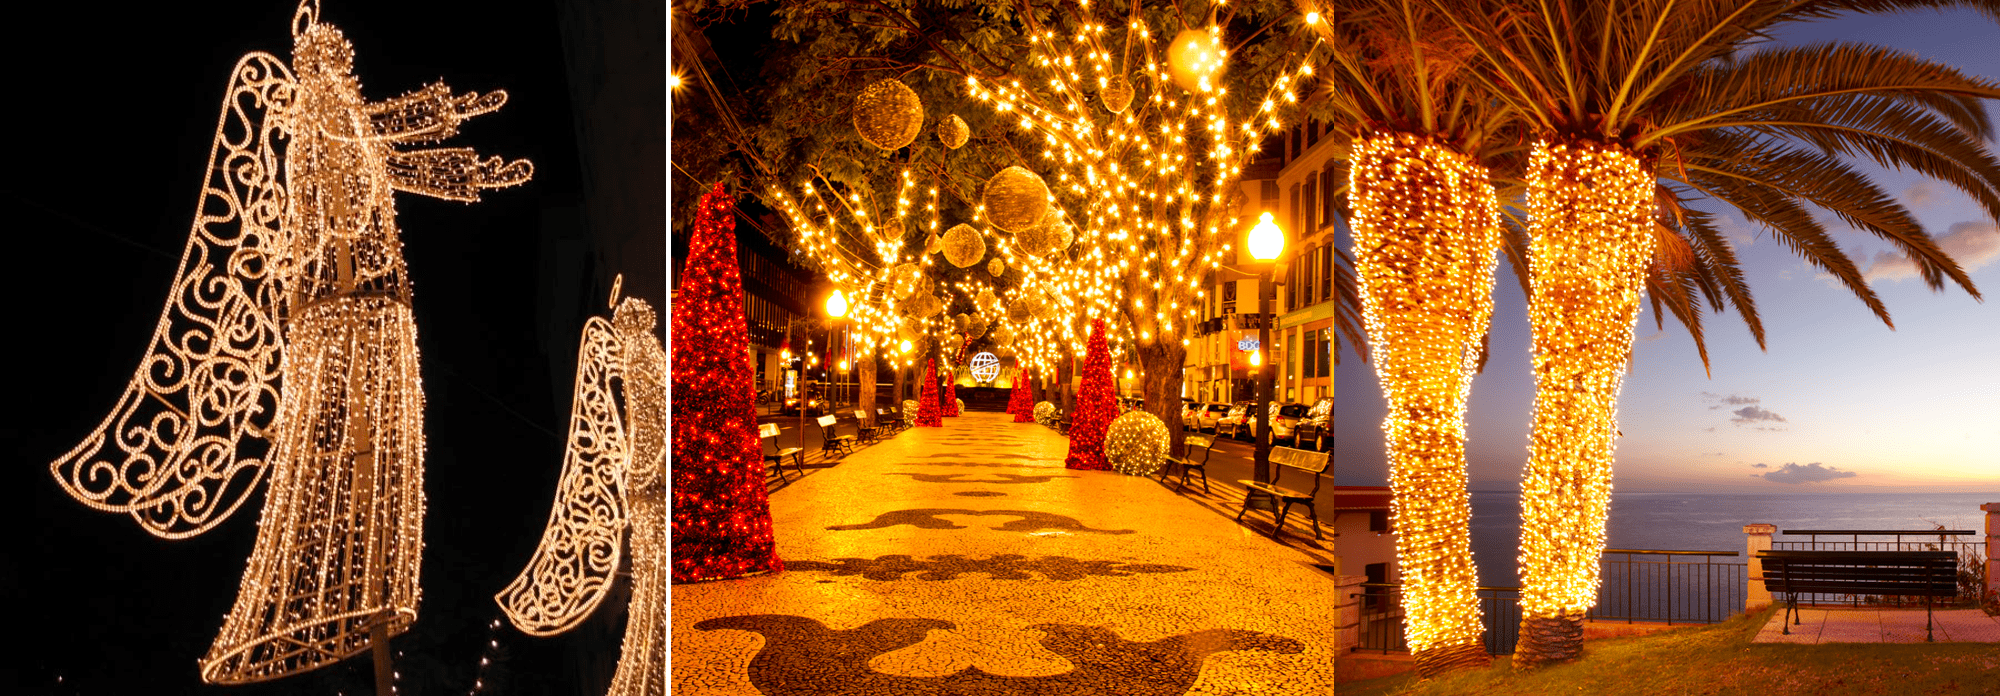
(1835, 624)
(966, 560)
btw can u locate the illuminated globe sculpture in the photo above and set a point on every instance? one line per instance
(985, 367)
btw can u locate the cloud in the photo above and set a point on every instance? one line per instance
(1923, 193)
(1971, 244)
(1760, 465)
(1731, 400)
(1752, 414)
(1709, 429)
(1810, 473)
(1740, 235)
(1711, 454)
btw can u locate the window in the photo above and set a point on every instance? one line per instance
(1228, 297)
(1294, 215)
(1326, 187)
(1312, 133)
(1312, 349)
(1311, 199)
(1326, 273)
(1325, 353)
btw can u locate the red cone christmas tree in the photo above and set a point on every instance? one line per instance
(1095, 406)
(721, 517)
(950, 401)
(927, 399)
(1022, 404)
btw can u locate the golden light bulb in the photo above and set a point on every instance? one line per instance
(836, 306)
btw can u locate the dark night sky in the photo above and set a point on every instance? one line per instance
(113, 111)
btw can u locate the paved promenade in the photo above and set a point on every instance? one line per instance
(966, 560)
(1844, 625)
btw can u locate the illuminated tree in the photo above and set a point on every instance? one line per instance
(721, 515)
(1095, 406)
(1021, 403)
(613, 492)
(288, 342)
(1638, 110)
(948, 402)
(927, 398)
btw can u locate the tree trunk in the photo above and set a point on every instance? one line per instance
(865, 382)
(1425, 233)
(1589, 242)
(1162, 361)
(1066, 372)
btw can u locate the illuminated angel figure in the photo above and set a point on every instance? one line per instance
(287, 350)
(614, 479)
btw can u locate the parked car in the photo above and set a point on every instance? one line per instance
(1236, 422)
(1315, 428)
(1284, 419)
(1191, 414)
(1210, 415)
(815, 406)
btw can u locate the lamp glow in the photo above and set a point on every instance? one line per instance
(1266, 240)
(836, 306)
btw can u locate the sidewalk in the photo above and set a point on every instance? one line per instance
(1834, 624)
(967, 560)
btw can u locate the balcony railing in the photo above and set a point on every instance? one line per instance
(1638, 585)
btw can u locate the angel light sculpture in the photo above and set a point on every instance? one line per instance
(614, 479)
(287, 350)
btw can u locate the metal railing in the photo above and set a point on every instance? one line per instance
(1669, 586)
(1638, 585)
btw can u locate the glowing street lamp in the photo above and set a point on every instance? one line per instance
(1266, 244)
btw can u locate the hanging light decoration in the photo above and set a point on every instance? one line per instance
(888, 114)
(951, 131)
(963, 246)
(1015, 199)
(1117, 94)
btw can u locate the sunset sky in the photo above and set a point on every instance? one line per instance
(1839, 402)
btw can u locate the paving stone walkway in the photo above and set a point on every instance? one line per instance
(966, 560)
(1839, 625)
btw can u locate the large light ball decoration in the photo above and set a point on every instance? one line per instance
(996, 267)
(1015, 199)
(888, 114)
(1117, 94)
(1045, 307)
(963, 246)
(1019, 311)
(952, 132)
(960, 321)
(985, 367)
(910, 407)
(985, 300)
(923, 306)
(890, 231)
(905, 280)
(960, 403)
(1195, 54)
(1003, 335)
(1136, 443)
(1045, 413)
(975, 326)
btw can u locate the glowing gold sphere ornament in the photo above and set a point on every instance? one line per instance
(1045, 413)
(963, 246)
(1136, 443)
(888, 114)
(985, 300)
(1019, 311)
(996, 267)
(1117, 94)
(1052, 235)
(975, 326)
(1015, 199)
(905, 280)
(951, 131)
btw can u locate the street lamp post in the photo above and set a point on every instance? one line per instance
(836, 307)
(1267, 242)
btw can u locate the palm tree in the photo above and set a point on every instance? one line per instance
(1426, 223)
(1638, 109)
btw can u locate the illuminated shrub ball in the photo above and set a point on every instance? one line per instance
(1045, 413)
(1136, 443)
(888, 114)
(910, 410)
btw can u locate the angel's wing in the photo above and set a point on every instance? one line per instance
(183, 448)
(580, 548)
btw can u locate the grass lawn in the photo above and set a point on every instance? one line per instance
(1720, 659)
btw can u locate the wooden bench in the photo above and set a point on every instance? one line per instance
(862, 429)
(888, 421)
(829, 426)
(1187, 463)
(1283, 458)
(769, 431)
(1884, 573)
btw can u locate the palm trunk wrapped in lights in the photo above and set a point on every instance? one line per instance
(1424, 237)
(1590, 239)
